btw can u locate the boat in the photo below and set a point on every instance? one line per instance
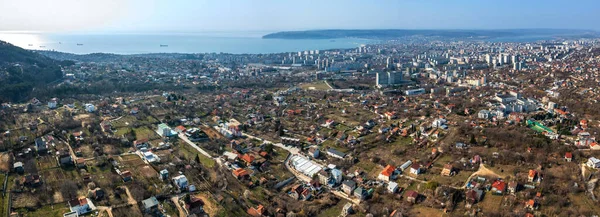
(331, 40)
(79, 44)
(164, 45)
(30, 45)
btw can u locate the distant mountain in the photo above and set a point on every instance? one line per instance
(22, 70)
(398, 33)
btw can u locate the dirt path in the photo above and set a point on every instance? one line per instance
(130, 199)
(176, 202)
(482, 171)
(107, 209)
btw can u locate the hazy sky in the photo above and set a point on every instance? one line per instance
(276, 15)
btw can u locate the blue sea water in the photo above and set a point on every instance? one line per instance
(176, 43)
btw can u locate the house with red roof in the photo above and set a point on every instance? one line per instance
(256, 212)
(412, 196)
(498, 187)
(568, 156)
(387, 174)
(532, 176)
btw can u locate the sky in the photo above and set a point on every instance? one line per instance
(64, 16)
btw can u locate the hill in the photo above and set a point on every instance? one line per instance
(398, 33)
(22, 70)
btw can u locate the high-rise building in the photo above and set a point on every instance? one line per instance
(381, 79)
(389, 63)
(514, 59)
(488, 59)
(394, 78)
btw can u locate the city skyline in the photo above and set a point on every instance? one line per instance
(68, 16)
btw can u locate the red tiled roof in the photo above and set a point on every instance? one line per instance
(499, 185)
(240, 172)
(568, 155)
(388, 170)
(248, 158)
(412, 193)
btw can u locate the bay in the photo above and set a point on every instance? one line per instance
(236, 43)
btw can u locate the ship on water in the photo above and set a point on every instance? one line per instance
(79, 44)
(164, 45)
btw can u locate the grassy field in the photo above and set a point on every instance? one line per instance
(334, 210)
(49, 210)
(490, 202)
(145, 133)
(319, 85)
(426, 211)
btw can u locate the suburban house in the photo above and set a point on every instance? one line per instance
(568, 156)
(593, 162)
(531, 204)
(314, 152)
(41, 146)
(256, 212)
(64, 157)
(141, 143)
(348, 186)
(361, 193)
(473, 196)
(150, 205)
(240, 173)
(411, 196)
(194, 206)
(80, 162)
(448, 170)
(392, 187)
(387, 174)
(32, 180)
(347, 209)
(498, 187)
(533, 176)
(335, 153)
(81, 206)
(513, 187)
(180, 129)
(415, 169)
(18, 167)
(181, 182)
(98, 194)
(127, 176)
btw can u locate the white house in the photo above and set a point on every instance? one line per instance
(392, 187)
(90, 108)
(52, 103)
(593, 162)
(484, 114)
(415, 169)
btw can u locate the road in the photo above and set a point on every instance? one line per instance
(202, 151)
(292, 150)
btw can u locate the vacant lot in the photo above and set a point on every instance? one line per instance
(319, 85)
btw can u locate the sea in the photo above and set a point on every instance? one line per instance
(221, 42)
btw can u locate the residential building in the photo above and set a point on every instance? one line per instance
(448, 170)
(387, 174)
(392, 187)
(411, 196)
(348, 186)
(593, 162)
(415, 169)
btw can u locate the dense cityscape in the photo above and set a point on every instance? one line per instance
(411, 127)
